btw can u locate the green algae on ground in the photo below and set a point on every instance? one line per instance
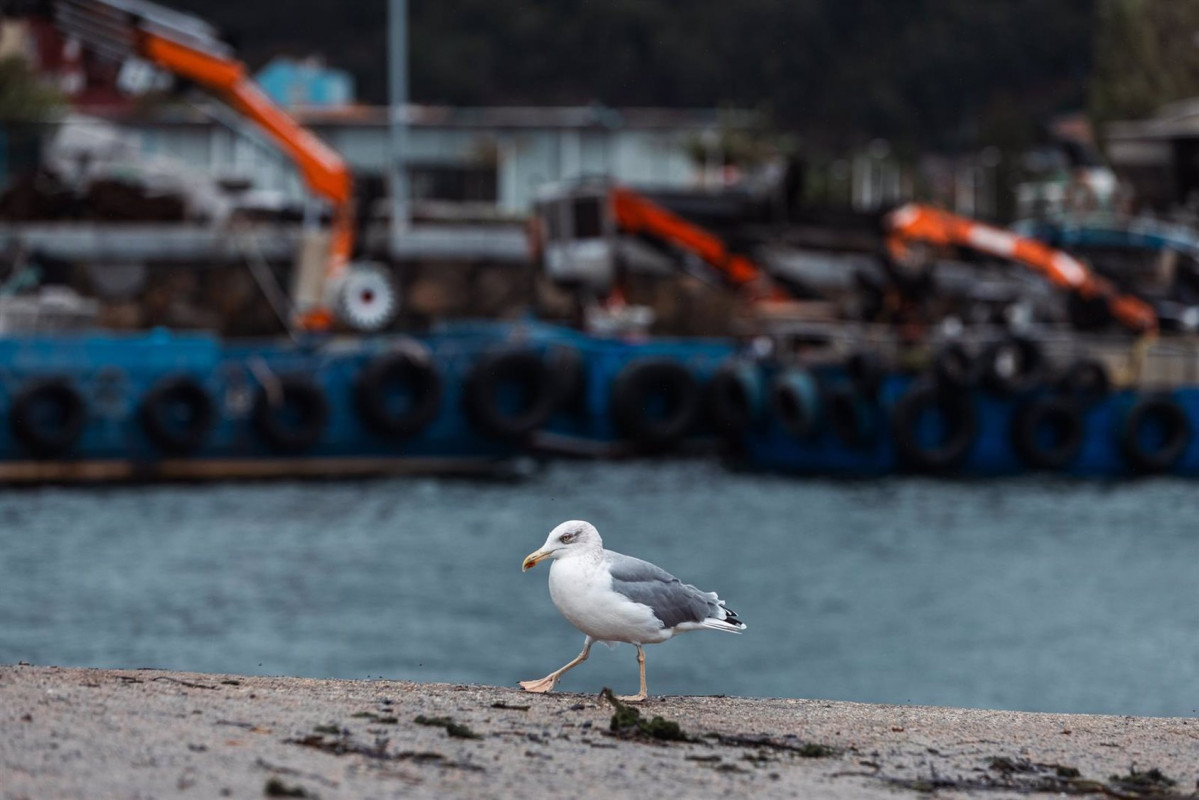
(345, 745)
(373, 717)
(802, 749)
(453, 728)
(813, 750)
(628, 722)
(1023, 776)
(277, 788)
(1151, 783)
(1010, 765)
(712, 759)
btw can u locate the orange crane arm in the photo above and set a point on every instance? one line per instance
(189, 47)
(637, 215)
(323, 170)
(920, 223)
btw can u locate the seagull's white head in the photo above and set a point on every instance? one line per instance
(572, 536)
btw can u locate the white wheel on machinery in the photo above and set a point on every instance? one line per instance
(367, 299)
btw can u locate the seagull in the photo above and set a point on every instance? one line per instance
(617, 598)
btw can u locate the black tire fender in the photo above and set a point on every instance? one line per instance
(956, 408)
(637, 385)
(57, 398)
(852, 417)
(1161, 410)
(296, 432)
(481, 393)
(1062, 417)
(798, 403)
(410, 369)
(160, 422)
(735, 397)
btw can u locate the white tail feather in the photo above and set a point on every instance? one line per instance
(722, 625)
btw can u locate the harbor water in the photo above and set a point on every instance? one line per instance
(1030, 594)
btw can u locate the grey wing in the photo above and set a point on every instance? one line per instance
(672, 601)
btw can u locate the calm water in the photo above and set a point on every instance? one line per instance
(1037, 595)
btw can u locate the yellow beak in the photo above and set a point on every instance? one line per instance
(532, 558)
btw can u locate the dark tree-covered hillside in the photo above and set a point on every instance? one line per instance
(1146, 55)
(933, 71)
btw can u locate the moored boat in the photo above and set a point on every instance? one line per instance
(983, 406)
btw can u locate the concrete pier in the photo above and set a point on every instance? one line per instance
(89, 733)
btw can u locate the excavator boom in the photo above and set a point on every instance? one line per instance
(914, 222)
(323, 170)
(189, 48)
(637, 215)
(640, 216)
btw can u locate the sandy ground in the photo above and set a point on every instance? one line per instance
(143, 733)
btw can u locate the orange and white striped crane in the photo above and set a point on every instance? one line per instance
(916, 223)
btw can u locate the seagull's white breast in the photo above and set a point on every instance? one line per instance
(581, 589)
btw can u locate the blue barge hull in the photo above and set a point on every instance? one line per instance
(588, 426)
(91, 424)
(1100, 453)
(113, 374)
(541, 388)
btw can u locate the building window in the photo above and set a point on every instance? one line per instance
(469, 183)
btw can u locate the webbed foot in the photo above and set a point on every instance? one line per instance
(539, 686)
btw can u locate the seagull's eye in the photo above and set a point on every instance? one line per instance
(567, 538)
